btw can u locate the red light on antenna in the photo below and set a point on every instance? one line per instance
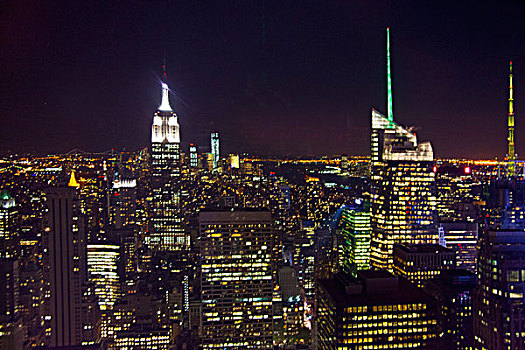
(435, 169)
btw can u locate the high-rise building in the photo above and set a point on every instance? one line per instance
(9, 236)
(403, 198)
(355, 243)
(235, 162)
(64, 259)
(453, 291)
(123, 202)
(32, 301)
(102, 272)
(236, 279)
(375, 311)
(9, 289)
(461, 237)
(194, 157)
(215, 149)
(166, 231)
(143, 339)
(420, 262)
(499, 300)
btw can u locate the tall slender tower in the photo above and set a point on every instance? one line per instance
(166, 231)
(215, 149)
(389, 122)
(511, 155)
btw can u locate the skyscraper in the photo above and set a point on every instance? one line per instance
(236, 279)
(8, 231)
(166, 232)
(403, 200)
(355, 232)
(499, 299)
(215, 149)
(102, 272)
(64, 259)
(462, 237)
(194, 160)
(123, 202)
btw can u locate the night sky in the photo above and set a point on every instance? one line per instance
(273, 77)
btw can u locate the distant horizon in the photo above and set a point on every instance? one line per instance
(243, 154)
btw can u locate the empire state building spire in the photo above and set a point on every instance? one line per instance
(165, 102)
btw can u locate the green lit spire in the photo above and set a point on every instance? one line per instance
(4, 195)
(511, 154)
(390, 110)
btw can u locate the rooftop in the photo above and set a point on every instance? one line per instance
(422, 248)
(387, 289)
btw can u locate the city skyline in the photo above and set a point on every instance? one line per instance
(261, 88)
(235, 205)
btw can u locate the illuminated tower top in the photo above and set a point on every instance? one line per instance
(511, 152)
(72, 180)
(390, 110)
(165, 102)
(165, 125)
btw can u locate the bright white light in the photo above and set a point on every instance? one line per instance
(165, 104)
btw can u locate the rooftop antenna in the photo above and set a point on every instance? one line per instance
(164, 72)
(390, 110)
(511, 154)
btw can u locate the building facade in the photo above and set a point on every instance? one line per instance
(499, 300)
(9, 235)
(375, 311)
(214, 140)
(420, 262)
(403, 192)
(236, 280)
(355, 232)
(462, 237)
(64, 259)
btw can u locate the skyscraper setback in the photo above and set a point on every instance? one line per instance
(403, 200)
(166, 232)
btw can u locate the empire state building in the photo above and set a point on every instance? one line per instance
(166, 232)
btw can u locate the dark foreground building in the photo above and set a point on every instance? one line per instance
(375, 311)
(499, 304)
